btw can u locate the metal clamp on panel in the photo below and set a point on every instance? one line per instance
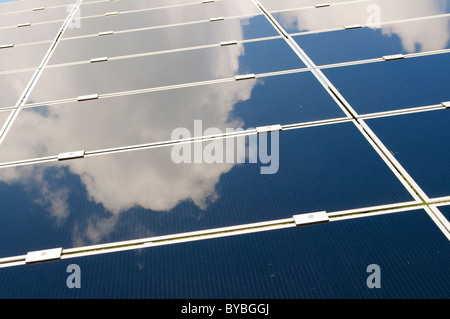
(268, 128)
(322, 5)
(224, 43)
(38, 9)
(393, 57)
(43, 255)
(353, 26)
(70, 155)
(24, 25)
(244, 77)
(102, 59)
(87, 97)
(216, 19)
(207, 1)
(446, 104)
(106, 33)
(4, 46)
(311, 218)
(107, 14)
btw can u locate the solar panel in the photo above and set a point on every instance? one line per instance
(314, 262)
(224, 149)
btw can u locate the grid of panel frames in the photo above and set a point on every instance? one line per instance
(353, 94)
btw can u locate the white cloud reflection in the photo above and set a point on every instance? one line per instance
(119, 182)
(413, 35)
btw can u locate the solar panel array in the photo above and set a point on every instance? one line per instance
(225, 149)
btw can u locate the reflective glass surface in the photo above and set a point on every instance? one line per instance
(368, 43)
(32, 33)
(138, 194)
(101, 7)
(49, 14)
(23, 57)
(12, 86)
(393, 85)
(420, 142)
(151, 117)
(321, 261)
(30, 4)
(162, 17)
(160, 39)
(445, 210)
(364, 13)
(293, 4)
(3, 117)
(164, 69)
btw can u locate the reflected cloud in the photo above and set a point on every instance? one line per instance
(123, 181)
(413, 36)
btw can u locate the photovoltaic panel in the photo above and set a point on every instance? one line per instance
(357, 13)
(152, 117)
(160, 17)
(322, 261)
(160, 39)
(131, 195)
(371, 43)
(12, 86)
(419, 141)
(158, 70)
(393, 85)
(37, 16)
(33, 33)
(22, 57)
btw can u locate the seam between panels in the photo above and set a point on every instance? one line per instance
(397, 169)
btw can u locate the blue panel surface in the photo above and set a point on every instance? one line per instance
(394, 85)
(323, 261)
(420, 142)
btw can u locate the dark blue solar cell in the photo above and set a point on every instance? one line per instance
(420, 142)
(394, 85)
(331, 260)
(445, 210)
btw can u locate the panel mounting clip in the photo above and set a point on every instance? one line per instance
(224, 43)
(102, 59)
(352, 26)
(70, 155)
(43, 255)
(244, 77)
(446, 104)
(269, 128)
(87, 97)
(393, 57)
(9, 45)
(311, 218)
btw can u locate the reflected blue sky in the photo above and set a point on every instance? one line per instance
(394, 85)
(421, 143)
